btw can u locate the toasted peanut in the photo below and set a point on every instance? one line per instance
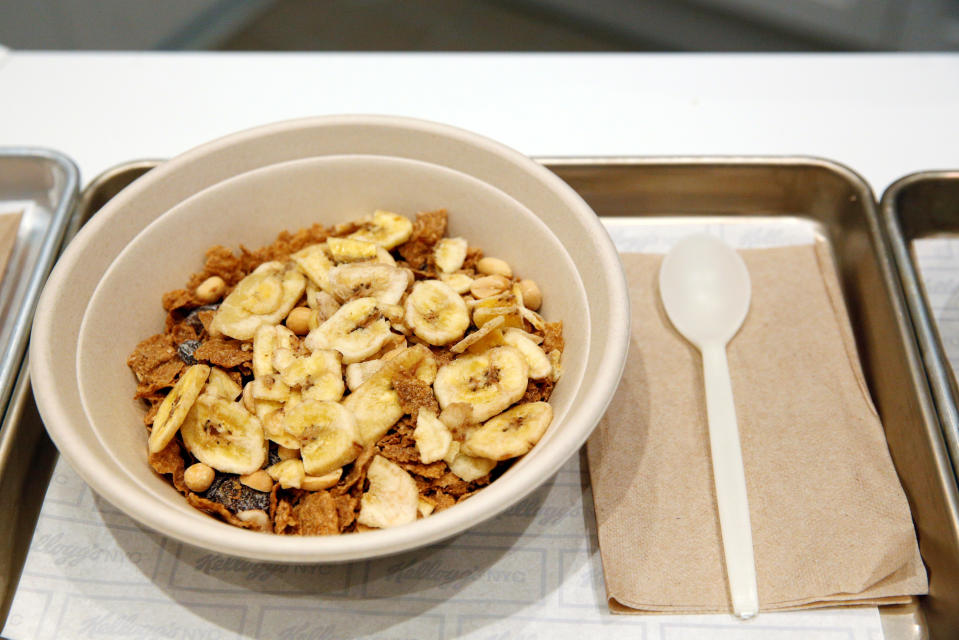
(198, 477)
(259, 480)
(286, 453)
(494, 267)
(257, 517)
(318, 483)
(299, 320)
(211, 289)
(532, 296)
(489, 286)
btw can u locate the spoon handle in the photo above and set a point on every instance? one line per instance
(730, 479)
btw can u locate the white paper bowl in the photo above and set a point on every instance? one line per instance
(54, 344)
(251, 209)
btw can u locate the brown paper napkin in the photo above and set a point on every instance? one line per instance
(830, 521)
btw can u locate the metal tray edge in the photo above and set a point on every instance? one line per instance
(20, 447)
(13, 353)
(927, 335)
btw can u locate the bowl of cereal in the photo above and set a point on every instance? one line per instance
(351, 352)
(587, 294)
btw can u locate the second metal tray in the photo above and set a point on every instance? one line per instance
(44, 185)
(919, 206)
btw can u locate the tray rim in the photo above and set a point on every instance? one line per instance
(15, 443)
(64, 198)
(928, 340)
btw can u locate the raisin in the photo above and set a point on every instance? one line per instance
(186, 349)
(274, 455)
(235, 496)
(193, 318)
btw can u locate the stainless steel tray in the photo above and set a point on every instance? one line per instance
(925, 205)
(843, 209)
(27, 455)
(47, 183)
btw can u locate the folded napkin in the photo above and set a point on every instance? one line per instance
(830, 521)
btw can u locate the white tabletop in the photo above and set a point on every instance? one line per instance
(884, 115)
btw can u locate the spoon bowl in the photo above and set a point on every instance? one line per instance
(705, 289)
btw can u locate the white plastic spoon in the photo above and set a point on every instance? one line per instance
(705, 289)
